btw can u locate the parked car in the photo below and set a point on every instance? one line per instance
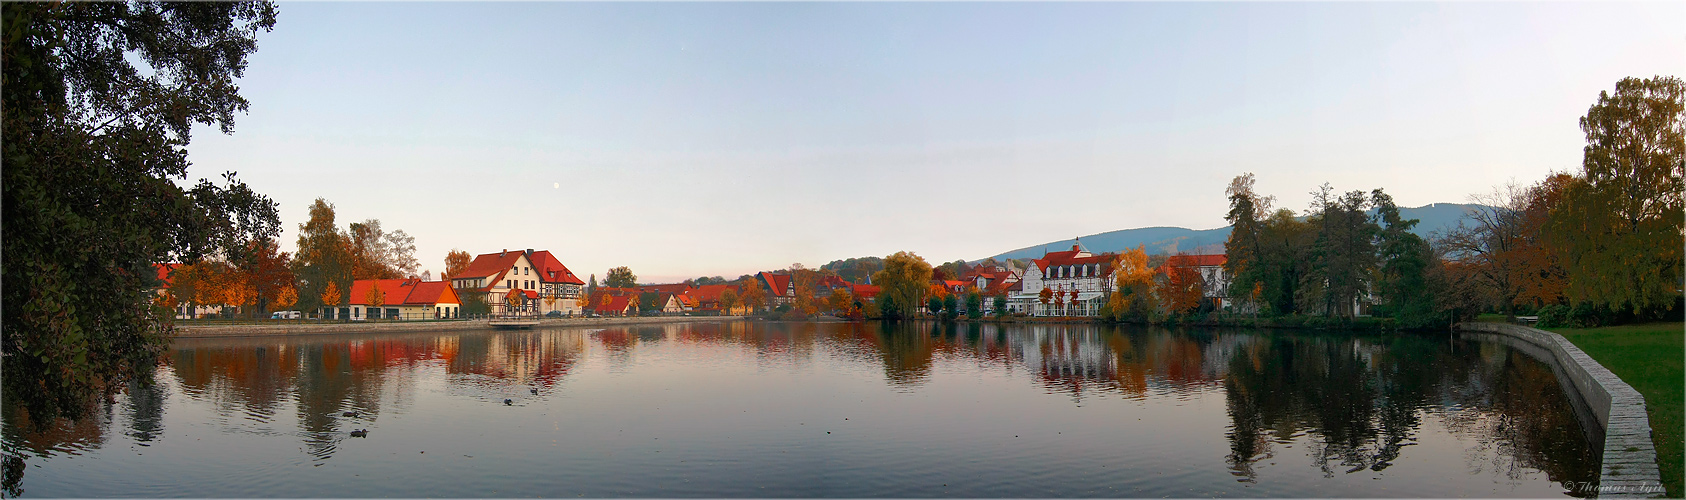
(285, 315)
(553, 314)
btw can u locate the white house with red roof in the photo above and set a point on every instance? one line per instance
(553, 287)
(400, 299)
(781, 288)
(1066, 273)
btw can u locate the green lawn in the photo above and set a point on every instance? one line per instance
(1649, 358)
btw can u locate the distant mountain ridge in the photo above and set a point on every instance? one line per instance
(1432, 218)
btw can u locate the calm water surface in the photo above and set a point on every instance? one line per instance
(836, 410)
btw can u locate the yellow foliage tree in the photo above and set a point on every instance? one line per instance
(1135, 283)
(331, 295)
(375, 297)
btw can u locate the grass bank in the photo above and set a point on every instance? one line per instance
(1648, 357)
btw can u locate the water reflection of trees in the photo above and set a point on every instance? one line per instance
(1362, 400)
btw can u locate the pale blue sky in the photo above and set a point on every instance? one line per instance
(720, 139)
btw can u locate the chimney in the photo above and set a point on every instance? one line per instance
(529, 253)
(500, 254)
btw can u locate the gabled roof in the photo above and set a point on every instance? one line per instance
(551, 270)
(616, 303)
(409, 292)
(1075, 257)
(778, 283)
(863, 291)
(489, 264)
(545, 266)
(432, 292)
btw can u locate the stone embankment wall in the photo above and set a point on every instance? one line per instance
(310, 327)
(1629, 466)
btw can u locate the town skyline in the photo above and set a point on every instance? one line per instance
(701, 140)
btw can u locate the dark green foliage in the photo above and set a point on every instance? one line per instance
(93, 148)
(1343, 250)
(1553, 316)
(650, 303)
(951, 307)
(974, 305)
(621, 277)
(934, 305)
(1000, 306)
(1402, 283)
(473, 302)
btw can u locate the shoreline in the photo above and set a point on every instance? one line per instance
(307, 327)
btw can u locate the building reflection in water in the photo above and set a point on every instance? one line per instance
(1357, 401)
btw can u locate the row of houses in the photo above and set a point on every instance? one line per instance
(536, 283)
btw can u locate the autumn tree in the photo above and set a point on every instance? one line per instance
(1620, 225)
(1490, 242)
(729, 301)
(753, 296)
(457, 261)
(267, 270)
(286, 297)
(375, 297)
(901, 284)
(621, 277)
(1135, 284)
(839, 301)
(331, 295)
(1540, 276)
(1182, 287)
(99, 100)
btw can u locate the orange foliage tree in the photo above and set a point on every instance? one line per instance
(331, 295)
(286, 297)
(753, 296)
(1183, 286)
(456, 262)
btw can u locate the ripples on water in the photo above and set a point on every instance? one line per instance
(801, 409)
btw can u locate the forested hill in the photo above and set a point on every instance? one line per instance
(1434, 218)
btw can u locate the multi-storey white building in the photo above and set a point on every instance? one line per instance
(540, 283)
(1077, 279)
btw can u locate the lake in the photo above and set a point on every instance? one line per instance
(736, 409)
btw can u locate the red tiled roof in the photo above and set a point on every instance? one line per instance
(710, 292)
(617, 304)
(551, 270)
(547, 267)
(393, 292)
(864, 291)
(777, 282)
(432, 292)
(488, 264)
